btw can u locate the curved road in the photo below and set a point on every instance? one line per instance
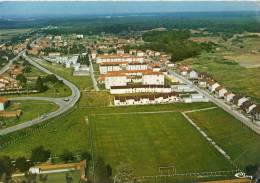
(64, 103)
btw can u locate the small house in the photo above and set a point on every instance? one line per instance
(256, 113)
(248, 106)
(3, 103)
(193, 75)
(212, 85)
(202, 83)
(229, 96)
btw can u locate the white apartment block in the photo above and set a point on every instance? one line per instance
(105, 68)
(119, 58)
(136, 66)
(146, 99)
(140, 89)
(120, 80)
(155, 78)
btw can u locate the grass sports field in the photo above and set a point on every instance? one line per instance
(69, 131)
(150, 141)
(236, 139)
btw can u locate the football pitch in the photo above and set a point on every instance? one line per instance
(150, 141)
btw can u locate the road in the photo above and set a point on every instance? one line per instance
(64, 103)
(6, 67)
(94, 81)
(220, 103)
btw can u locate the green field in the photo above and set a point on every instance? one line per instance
(230, 74)
(69, 131)
(237, 140)
(54, 177)
(150, 141)
(82, 82)
(30, 109)
(6, 34)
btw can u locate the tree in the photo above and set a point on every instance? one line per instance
(31, 178)
(251, 169)
(69, 178)
(43, 178)
(39, 154)
(85, 156)
(102, 173)
(39, 85)
(21, 78)
(124, 174)
(22, 164)
(27, 69)
(6, 168)
(67, 156)
(51, 78)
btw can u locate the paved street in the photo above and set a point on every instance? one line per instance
(63, 105)
(94, 81)
(6, 67)
(220, 103)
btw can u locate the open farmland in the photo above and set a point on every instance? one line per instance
(6, 34)
(150, 141)
(236, 139)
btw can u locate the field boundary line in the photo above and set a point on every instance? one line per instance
(203, 109)
(189, 174)
(211, 141)
(88, 124)
(152, 112)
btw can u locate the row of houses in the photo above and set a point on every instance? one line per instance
(140, 89)
(158, 98)
(118, 58)
(9, 83)
(119, 66)
(204, 80)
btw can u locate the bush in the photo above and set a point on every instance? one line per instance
(22, 164)
(39, 154)
(67, 156)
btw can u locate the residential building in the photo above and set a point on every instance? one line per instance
(212, 85)
(193, 75)
(3, 103)
(248, 106)
(229, 96)
(122, 78)
(119, 58)
(182, 88)
(158, 98)
(195, 97)
(140, 89)
(256, 113)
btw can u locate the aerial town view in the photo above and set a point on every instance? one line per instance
(129, 91)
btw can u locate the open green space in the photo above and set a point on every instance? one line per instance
(150, 141)
(69, 131)
(82, 82)
(6, 34)
(230, 74)
(236, 139)
(53, 177)
(30, 109)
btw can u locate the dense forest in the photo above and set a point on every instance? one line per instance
(215, 22)
(174, 42)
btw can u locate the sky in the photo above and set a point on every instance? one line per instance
(75, 8)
